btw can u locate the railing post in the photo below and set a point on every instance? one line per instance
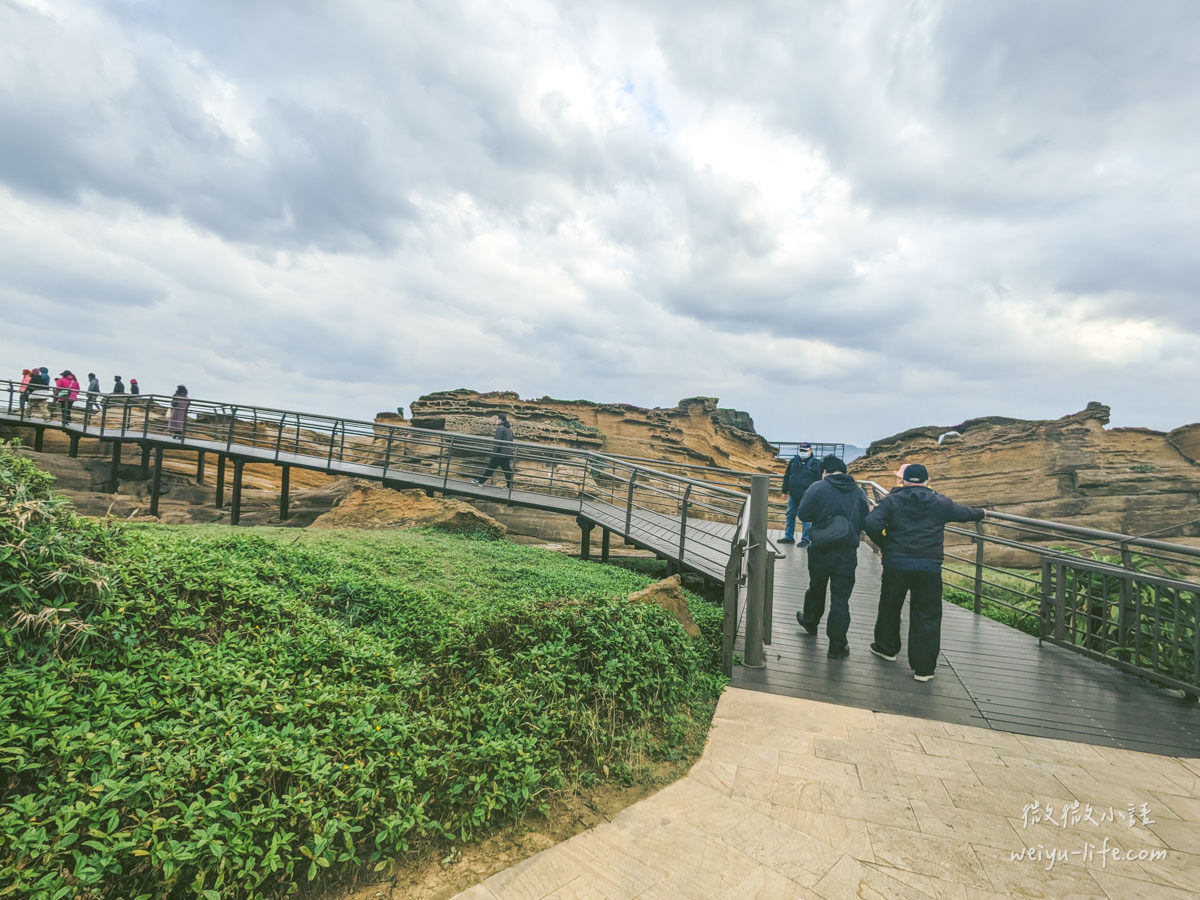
(629, 501)
(978, 567)
(449, 455)
(1044, 610)
(1060, 601)
(1124, 610)
(757, 581)
(769, 598)
(687, 492)
(387, 453)
(733, 571)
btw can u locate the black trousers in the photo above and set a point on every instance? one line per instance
(499, 462)
(832, 569)
(924, 616)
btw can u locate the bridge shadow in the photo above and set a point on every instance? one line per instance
(989, 675)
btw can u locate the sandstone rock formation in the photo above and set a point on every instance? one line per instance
(696, 431)
(668, 594)
(367, 505)
(1073, 469)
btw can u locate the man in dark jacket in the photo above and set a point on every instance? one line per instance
(833, 555)
(502, 450)
(118, 385)
(802, 471)
(909, 526)
(93, 392)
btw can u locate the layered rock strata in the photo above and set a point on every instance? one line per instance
(1074, 470)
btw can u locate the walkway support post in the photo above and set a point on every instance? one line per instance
(220, 498)
(116, 464)
(145, 473)
(39, 435)
(284, 481)
(605, 538)
(74, 451)
(235, 512)
(200, 467)
(756, 586)
(585, 540)
(156, 485)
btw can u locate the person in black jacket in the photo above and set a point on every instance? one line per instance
(802, 471)
(909, 526)
(833, 555)
(502, 451)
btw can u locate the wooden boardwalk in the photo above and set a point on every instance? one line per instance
(645, 529)
(988, 675)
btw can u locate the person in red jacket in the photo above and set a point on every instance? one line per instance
(25, 373)
(66, 389)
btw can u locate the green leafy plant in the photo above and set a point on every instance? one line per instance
(254, 712)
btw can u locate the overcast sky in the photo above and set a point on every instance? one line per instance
(845, 217)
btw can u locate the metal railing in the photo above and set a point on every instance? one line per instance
(1130, 601)
(787, 449)
(701, 524)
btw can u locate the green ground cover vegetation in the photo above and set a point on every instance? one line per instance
(211, 712)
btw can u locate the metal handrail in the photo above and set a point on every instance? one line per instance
(1173, 657)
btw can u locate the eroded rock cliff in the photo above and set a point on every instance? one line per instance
(696, 431)
(1073, 469)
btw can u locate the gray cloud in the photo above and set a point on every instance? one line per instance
(805, 210)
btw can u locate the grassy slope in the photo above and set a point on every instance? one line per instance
(248, 712)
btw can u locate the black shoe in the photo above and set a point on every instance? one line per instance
(804, 543)
(840, 652)
(890, 657)
(787, 540)
(807, 630)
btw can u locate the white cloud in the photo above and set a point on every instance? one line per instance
(845, 218)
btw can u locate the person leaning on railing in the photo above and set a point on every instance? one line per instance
(909, 526)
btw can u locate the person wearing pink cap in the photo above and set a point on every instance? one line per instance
(909, 525)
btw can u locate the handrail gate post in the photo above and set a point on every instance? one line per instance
(733, 571)
(978, 567)
(1044, 609)
(756, 586)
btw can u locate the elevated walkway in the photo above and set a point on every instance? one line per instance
(989, 675)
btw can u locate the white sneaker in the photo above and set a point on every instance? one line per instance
(917, 677)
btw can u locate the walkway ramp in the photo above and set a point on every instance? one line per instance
(989, 675)
(796, 798)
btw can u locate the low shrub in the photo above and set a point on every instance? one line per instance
(253, 712)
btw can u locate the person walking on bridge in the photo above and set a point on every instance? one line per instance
(93, 391)
(802, 471)
(66, 389)
(502, 451)
(26, 374)
(179, 406)
(909, 526)
(837, 507)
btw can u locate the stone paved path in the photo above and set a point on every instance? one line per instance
(798, 798)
